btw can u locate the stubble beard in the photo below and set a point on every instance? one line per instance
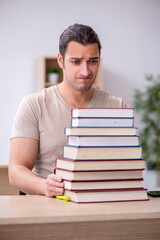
(78, 87)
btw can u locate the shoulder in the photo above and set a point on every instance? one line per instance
(35, 102)
(108, 100)
(42, 94)
(40, 97)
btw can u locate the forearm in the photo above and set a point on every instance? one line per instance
(26, 181)
(23, 155)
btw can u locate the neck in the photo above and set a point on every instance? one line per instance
(74, 98)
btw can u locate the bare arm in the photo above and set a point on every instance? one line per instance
(23, 156)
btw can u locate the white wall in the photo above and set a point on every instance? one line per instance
(129, 31)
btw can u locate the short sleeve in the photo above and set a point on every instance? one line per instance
(26, 121)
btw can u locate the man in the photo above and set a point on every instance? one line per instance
(37, 136)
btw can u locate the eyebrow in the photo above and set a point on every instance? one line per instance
(91, 58)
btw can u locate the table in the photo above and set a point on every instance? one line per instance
(39, 217)
(5, 188)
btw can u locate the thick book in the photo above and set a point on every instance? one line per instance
(114, 164)
(109, 184)
(86, 153)
(74, 131)
(99, 175)
(103, 140)
(107, 195)
(102, 122)
(102, 112)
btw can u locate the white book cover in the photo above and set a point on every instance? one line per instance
(102, 122)
(102, 112)
(103, 140)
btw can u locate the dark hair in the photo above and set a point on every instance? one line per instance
(80, 33)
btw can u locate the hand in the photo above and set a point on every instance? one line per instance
(53, 186)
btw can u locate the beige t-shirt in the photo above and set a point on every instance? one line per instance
(44, 115)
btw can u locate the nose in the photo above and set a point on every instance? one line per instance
(85, 71)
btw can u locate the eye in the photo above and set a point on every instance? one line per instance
(76, 62)
(93, 61)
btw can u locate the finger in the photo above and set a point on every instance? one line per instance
(54, 183)
(59, 191)
(53, 191)
(59, 184)
(55, 177)
(56, 191)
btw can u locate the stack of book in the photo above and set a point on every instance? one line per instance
(103, 159)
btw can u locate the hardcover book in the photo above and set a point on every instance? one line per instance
(99, 175)
(107, 195)
(105, 131)
(103, 140)
(109, 184)
(129, 152)
(102, 112)
(102, 122)
(109, 164)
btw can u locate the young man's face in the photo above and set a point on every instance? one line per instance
(80, 65)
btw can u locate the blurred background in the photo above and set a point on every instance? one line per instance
(129, 31)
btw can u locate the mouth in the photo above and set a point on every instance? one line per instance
(84, 78)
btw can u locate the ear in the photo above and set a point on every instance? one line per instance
(60, 60)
